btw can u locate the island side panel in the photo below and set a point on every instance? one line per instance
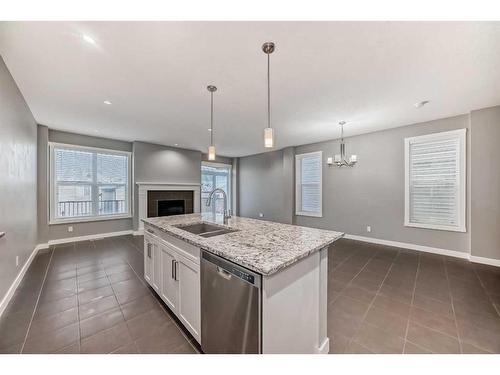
(324, 341)
(294, 303)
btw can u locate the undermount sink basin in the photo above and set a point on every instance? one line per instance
(205, 229)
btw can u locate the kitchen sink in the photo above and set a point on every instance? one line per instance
(206, 229)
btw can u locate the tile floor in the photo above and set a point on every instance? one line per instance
(89, 297)
(389, 300)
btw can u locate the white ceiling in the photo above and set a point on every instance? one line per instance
(369, 74)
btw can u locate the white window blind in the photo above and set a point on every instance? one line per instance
(435, 181)
(87, 183)
(308, 177)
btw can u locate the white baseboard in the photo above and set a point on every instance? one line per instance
(427, 249)
(10, 292)
(89, 237)
(139, 232)
(482, 260)
(404, 245)
(325, 347)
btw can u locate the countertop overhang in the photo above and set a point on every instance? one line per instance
(265, 247)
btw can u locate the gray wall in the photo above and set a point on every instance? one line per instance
(57, 231)
(266, 185)
(18, 154)
(157, 163)
(372, 192)
(485, 207)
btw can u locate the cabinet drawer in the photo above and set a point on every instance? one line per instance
(187, 250)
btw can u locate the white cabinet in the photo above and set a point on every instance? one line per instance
(169, 289)
(152, 267)
(148, 258)
(189, 295)
(172, 268)
(157, 275)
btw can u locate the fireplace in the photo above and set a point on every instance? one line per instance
(169, 202)
(149, 194)
(169, 207)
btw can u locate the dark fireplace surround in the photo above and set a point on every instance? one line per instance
(169, 202)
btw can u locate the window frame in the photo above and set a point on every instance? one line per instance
(461, 180)
(230, 183)
(52, 185)
(298, 184)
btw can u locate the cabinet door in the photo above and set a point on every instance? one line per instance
(156, 267)
(169, 288)
(189, 296)
(148, 259)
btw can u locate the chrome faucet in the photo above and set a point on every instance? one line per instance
(227, 214)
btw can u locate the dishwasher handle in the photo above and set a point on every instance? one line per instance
(223, 273)
(229, 270)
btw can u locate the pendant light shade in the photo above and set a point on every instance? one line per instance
(268, 48)
(211, 153)
(211, 148)
(268, 137)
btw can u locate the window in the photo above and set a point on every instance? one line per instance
(308, 180)
(88, 183)
(215, 175)
(435, 181)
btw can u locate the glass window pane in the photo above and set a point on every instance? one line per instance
(89, 182)
(73, 165)
(112, 169)
(112, 200)
(215, 177)
(74, 200)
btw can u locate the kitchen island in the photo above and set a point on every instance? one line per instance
(291, 262)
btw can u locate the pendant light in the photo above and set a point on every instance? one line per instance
(211, 148)
(268, 48)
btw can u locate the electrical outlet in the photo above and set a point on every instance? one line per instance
(368, 228)
(70, 228)
(17, 260)
(261, 214)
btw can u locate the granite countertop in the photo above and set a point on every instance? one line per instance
(262, 246)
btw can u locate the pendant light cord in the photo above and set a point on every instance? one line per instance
(268, 93)
(211, 118)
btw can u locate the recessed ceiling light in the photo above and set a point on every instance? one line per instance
(107, 102)
(176, 144)
(209, 129)
(421, 104)
(88, 39)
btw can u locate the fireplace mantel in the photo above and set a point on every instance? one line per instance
(144, 187)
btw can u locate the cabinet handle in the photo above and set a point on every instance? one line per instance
(150, 231)
(149, 250)
(173, 269)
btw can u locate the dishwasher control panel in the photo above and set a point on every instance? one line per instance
(243, 275)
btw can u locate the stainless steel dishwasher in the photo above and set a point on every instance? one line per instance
(230, 307)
